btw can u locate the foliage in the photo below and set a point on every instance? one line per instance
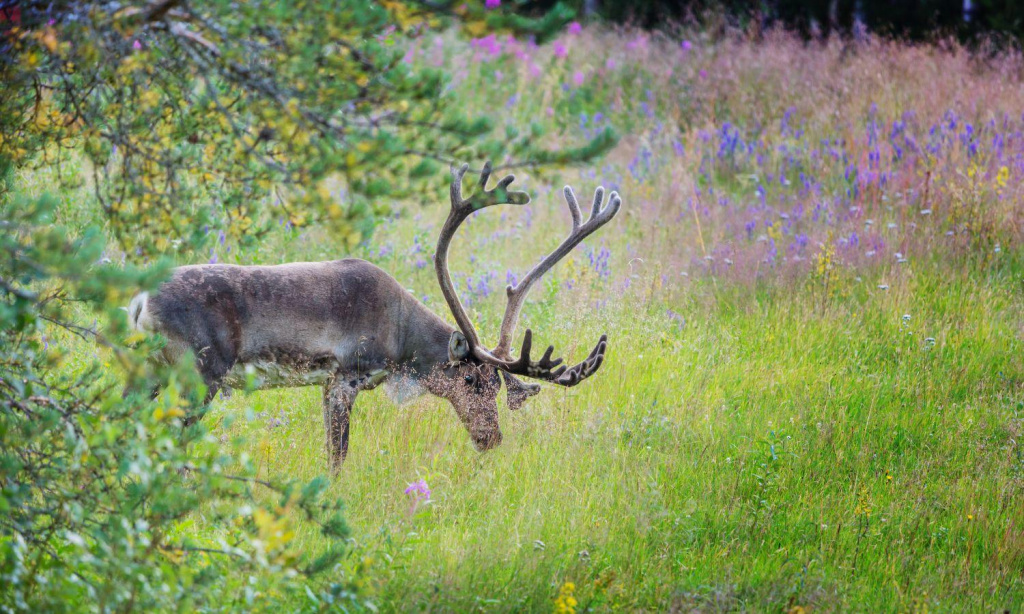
(199, 116)
(100, 497)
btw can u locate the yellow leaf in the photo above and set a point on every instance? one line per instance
(49, 39)
(135, 338)
(476, 28)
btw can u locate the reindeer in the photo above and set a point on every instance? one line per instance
(349, 326)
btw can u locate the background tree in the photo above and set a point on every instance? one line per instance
(916, 19)
(199, 116)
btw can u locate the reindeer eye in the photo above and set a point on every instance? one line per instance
(469, 379)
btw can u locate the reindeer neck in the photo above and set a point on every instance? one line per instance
(425, 337)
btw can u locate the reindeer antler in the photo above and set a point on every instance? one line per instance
(461, 209)
(546, 368)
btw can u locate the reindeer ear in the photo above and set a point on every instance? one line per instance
(518, 391)
(458, 347)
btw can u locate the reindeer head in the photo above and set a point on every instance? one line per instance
(471, 377)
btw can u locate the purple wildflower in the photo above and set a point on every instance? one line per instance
(677, 318)
(599, 262)
(418, 491)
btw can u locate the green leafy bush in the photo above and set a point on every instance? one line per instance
(199, 116)
(99, 494)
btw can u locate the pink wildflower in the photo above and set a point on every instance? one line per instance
(419, 490)
(488, 44)
(492, 4)
(575, 28)
(136, 45)
(639, 42)
(578, 78)
(560, 50)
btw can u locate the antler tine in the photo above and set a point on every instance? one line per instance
(456, 187)
(462, 209)
(578, 373)
(574, 206)
(485, 174)
(599, 216)
(547, 369)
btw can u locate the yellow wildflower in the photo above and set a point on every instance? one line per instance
(565, 603)
(1002, 177)
(863, 503)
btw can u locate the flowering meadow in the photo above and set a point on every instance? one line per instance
(813, 398)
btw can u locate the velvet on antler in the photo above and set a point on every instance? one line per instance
(547, 368)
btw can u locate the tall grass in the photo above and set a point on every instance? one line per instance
(814, 391)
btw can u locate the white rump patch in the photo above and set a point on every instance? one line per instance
(402, 388)
(139, 317)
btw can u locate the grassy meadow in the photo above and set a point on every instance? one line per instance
(813, 398)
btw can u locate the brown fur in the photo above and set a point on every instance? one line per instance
(345, 324)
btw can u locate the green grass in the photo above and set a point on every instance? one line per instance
(766, 454)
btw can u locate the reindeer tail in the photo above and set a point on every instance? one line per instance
(139, 317)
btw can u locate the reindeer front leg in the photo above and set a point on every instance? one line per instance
(339, 396)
